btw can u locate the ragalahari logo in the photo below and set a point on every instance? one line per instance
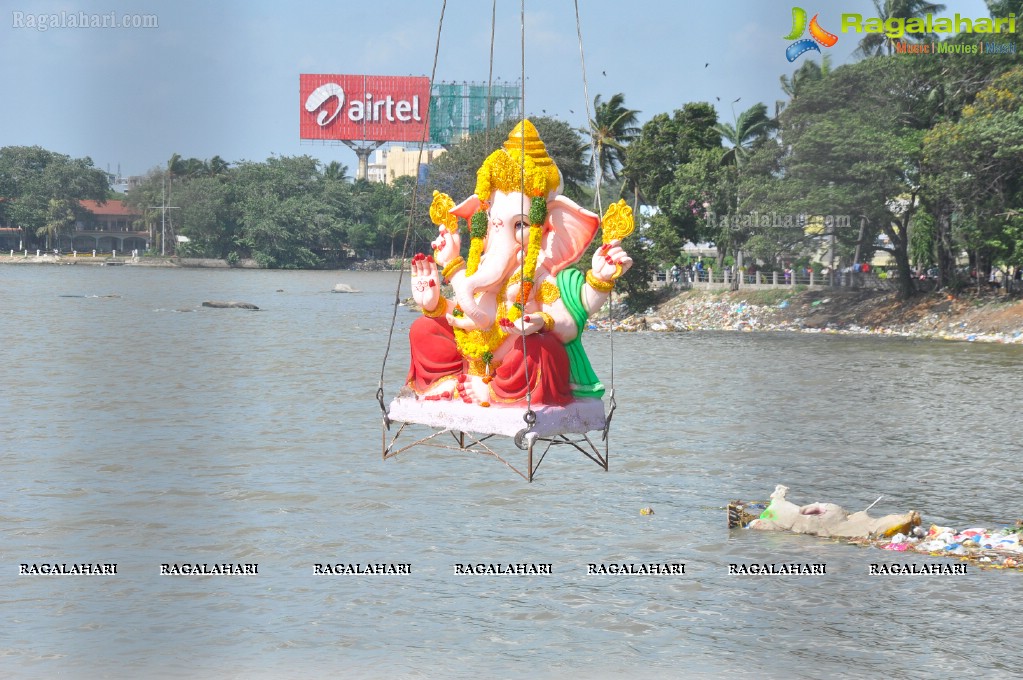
(818, 35)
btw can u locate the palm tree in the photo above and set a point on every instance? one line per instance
(335, 171)
(217, 166)
(612, 128)
(60, 216)
(876, 44)
(751, 129)
(810, 71)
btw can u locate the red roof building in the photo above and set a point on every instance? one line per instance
(110, 226)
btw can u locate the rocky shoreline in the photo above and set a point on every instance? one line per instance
(968, 317)
(940, 316)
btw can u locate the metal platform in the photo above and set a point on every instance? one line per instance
(475, 429)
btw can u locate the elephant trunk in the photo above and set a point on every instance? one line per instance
(491, 272)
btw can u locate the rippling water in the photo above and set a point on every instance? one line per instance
(143, 429)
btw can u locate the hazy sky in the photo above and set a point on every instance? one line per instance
(220, 77)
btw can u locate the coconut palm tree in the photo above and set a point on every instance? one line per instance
(810, 71)
(751, 129)
(216, 166)
(612, 128)
(876, 44)
(60, 217)
(335, 171)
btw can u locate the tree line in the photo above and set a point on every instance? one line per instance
(920, 156)
(284, 212)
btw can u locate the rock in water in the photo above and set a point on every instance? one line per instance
(343, 288)
(229, 305)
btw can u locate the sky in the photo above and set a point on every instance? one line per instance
(220, 77)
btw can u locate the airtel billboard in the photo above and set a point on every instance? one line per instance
(372, 108)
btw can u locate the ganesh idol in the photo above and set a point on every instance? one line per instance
(513, 323)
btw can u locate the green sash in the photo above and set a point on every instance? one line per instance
(584, 381)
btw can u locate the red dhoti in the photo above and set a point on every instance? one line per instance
(541, 356)
(435, 354)
(545, 361)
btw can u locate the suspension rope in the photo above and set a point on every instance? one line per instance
(598, 172)
(594, 154)
(408, 229)
(529, 416)
(490, 74)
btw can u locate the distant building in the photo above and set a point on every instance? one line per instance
(397, 161)
(109, 226)
(123, 184)
(12, 238)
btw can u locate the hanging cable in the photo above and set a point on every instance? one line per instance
(408, 229)
(529, 416)
(490, 74)
(598, 173)
(594, 153)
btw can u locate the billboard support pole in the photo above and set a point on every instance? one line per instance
(362, 152)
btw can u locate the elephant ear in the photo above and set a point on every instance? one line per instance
(571, 228)
(467, 208)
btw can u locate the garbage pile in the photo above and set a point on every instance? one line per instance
(986, 548)
(998, 548)
(704, 315)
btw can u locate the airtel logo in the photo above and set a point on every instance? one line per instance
(359, 110)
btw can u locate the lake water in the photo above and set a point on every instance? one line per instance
(143, 429)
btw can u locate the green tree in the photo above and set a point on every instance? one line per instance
(975, 163)
(951, 85)
(41, 186)
(854, 147)
(808, 72)
(282, 215)
(664, 217)
(666, 142)
(1002, 8)
(207, 216)
(876, 44)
